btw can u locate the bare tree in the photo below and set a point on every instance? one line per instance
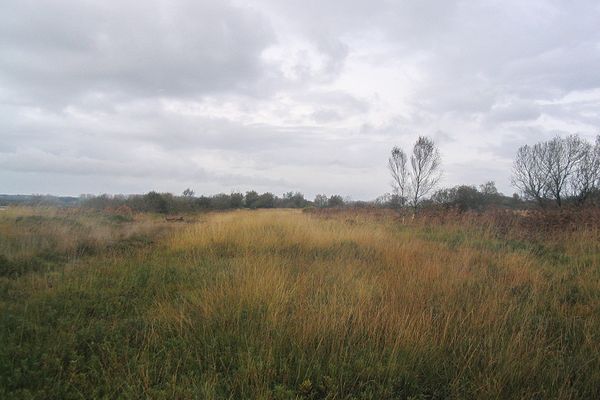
(560, 158)
(558, 169)
(586, 176)
(528, 174)
(397, 167)
(320, 201)
(425, 173)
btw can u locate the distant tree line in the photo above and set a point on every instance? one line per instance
(322, 201)
(460, 198)
(166, 203)
(38, 200)
(471, 198)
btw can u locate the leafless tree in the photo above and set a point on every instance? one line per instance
(320, 201)
(399, 172)
(586, 176)
(412, 183)
(425, 173)
(528, 173)
(557, 169)
(560, 158)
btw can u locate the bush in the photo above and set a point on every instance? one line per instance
(335, 201)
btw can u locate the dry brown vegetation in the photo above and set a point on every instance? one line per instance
(285, 304)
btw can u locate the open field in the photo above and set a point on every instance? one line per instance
(281, 304)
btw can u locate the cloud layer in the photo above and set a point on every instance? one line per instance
(107, 96)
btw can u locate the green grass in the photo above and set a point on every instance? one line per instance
(285, 305)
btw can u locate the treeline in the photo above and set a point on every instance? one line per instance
(167, 203)
(38, 200)
(460, 198)
(468, 197)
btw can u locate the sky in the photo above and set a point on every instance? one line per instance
(130, 96)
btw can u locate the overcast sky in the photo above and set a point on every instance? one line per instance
(129, 96)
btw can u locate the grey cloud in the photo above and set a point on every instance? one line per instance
(558, 70)
(585, 112)
(477, 173)
(285, 94)
(511, 140)
(339, 99)
(515, 110)
(469, 98)
(334, 106)
(325, 115)
(159, 168)
(38, 161)
(130, 48)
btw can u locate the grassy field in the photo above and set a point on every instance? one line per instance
(283, 304)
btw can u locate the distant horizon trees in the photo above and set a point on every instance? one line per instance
(333, 201)
(472, 198)
(165, 203)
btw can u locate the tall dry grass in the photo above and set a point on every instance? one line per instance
(37, 238)
(284, 304)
